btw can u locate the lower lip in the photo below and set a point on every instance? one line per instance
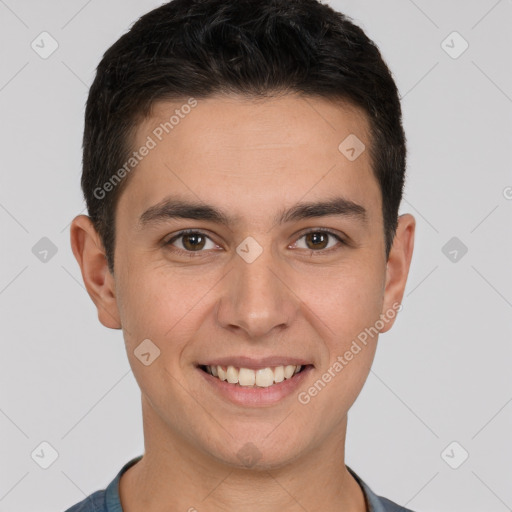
(256, 396)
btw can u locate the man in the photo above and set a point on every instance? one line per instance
(243, 169)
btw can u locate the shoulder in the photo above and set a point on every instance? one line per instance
(93, 503)
(105, 500)
(376, 503)
(390, 506)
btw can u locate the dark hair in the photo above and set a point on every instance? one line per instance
(257, 48)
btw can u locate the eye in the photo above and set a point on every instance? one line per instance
(317, 240)
(190, 241)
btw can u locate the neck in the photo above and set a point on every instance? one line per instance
(173, 475)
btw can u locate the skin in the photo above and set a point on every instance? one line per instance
(251, 159)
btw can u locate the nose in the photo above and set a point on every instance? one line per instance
(256, 298)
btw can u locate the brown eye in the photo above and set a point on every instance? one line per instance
(319, 241)
(190, 242)
(193, 242)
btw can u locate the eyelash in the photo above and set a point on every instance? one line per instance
(199, 253)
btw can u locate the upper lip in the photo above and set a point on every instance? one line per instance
(255, 363)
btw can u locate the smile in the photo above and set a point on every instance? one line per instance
(247, 377)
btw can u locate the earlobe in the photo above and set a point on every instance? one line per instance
(397, 268)
(99, 282)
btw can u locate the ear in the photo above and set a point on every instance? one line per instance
(99, 282)
(397, 268)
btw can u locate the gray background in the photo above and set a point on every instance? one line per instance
(442, 374)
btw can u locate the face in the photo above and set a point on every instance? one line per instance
(283, 263)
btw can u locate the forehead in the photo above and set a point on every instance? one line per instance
(251, 155)
(289, 122)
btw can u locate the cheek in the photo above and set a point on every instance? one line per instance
(347, 306)
(157, 310)
(164, 307)
(346, 300)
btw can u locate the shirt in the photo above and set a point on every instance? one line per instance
(108, 500)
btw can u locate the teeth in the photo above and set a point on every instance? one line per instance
(279, 374)
(232, 375)
(221, 372)
(246, 377)
(262, 378)
(288, 371)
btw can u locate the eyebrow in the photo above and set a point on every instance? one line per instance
(173, 208)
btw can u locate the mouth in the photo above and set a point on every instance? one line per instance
(254, 377)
